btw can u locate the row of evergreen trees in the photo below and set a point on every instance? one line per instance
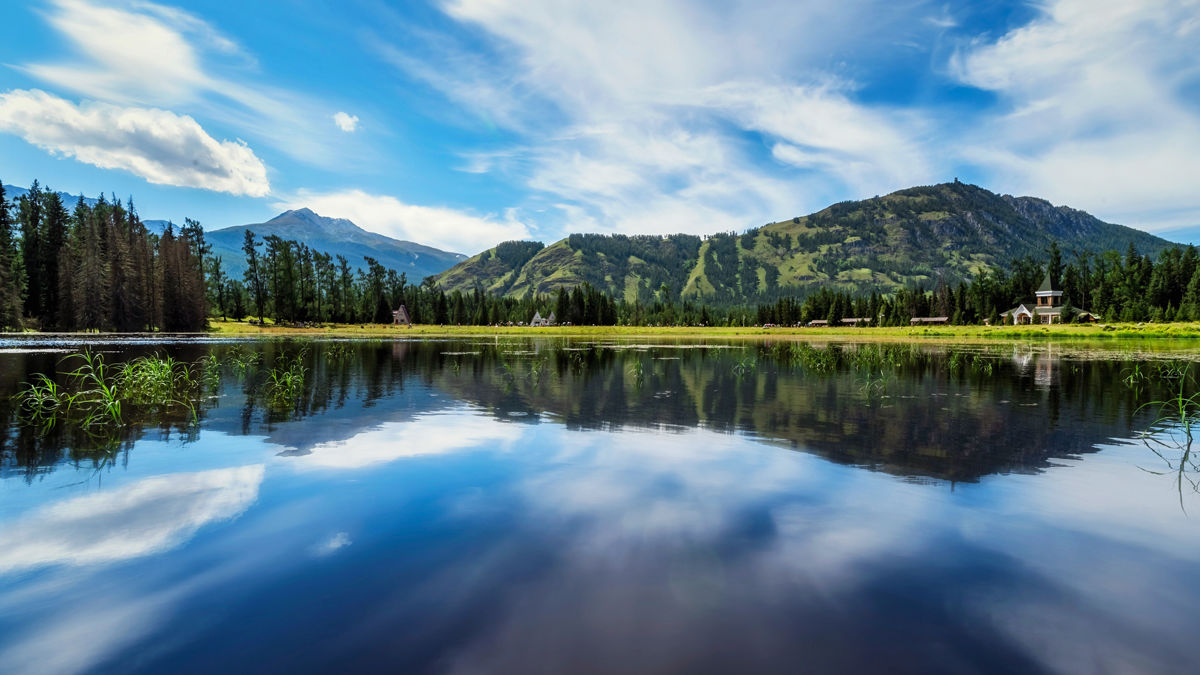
(96, 267)
(291, 283)
(1114, 287)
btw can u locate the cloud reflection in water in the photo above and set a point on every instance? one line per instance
(143, 518)
(426, 435)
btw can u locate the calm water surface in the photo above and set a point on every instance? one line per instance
(552, 506)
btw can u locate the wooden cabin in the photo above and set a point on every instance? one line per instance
(1047, 308)
(400, 316)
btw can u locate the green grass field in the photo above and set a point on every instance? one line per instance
(1173, 331)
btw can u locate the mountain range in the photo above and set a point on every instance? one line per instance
(916, 236)
(950, 231)
(334, 236)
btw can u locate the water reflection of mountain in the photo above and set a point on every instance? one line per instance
(941, 413)
(931, 413)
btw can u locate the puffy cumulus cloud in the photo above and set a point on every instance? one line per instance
(158, 145)
(143, 53)
(440, 227)
(156, 514)
(1099, 108)
(345, 122)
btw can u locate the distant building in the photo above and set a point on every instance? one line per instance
(538, 321)
(849, 321)
(400, 316)
(929, 321)
(1048, 308)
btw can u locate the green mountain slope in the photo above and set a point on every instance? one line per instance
(914, 236)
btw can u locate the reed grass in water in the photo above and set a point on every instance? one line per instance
(1171, 434)
(97, 394)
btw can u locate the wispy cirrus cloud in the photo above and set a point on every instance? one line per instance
(1098, 109)
(160, 146)
(618, 132)
(758, 111)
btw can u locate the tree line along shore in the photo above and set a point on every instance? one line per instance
(95, 266)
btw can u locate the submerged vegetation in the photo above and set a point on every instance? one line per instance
(1171, 434)
(101, 403)
(285, 381)
(96, 394)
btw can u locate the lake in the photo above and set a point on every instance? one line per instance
(558, 506)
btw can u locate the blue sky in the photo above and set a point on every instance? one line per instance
(467, 122)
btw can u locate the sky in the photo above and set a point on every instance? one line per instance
(464, 123)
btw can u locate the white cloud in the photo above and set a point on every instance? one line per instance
(444, 228)
(158, 145)
(1096, 106)
(345, 122)
(129, 55)
(142, 53)
(331, 545)
(154, 515)
(66, 642)
(1098, 112)
(427, 435)
(643, 138)
(871, 150)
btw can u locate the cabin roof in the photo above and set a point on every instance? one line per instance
(1047, 285)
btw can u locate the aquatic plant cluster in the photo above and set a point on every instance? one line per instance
(97, 394)
(103, 399)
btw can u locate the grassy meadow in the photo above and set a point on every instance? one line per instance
(1070, 332)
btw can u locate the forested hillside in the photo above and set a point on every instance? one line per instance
(917, 237)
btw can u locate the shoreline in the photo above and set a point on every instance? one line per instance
(1071, 332)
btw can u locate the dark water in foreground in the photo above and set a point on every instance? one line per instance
(524, 506)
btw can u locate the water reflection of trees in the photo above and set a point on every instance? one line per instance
(952, 413)
(948, 413)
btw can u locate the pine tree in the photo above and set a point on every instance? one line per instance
(54, 232)
(1191, 297)
(92, 287)
(12, 282)
(1056, 264)
(254, 274)
(217, 284)
(29, 209)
